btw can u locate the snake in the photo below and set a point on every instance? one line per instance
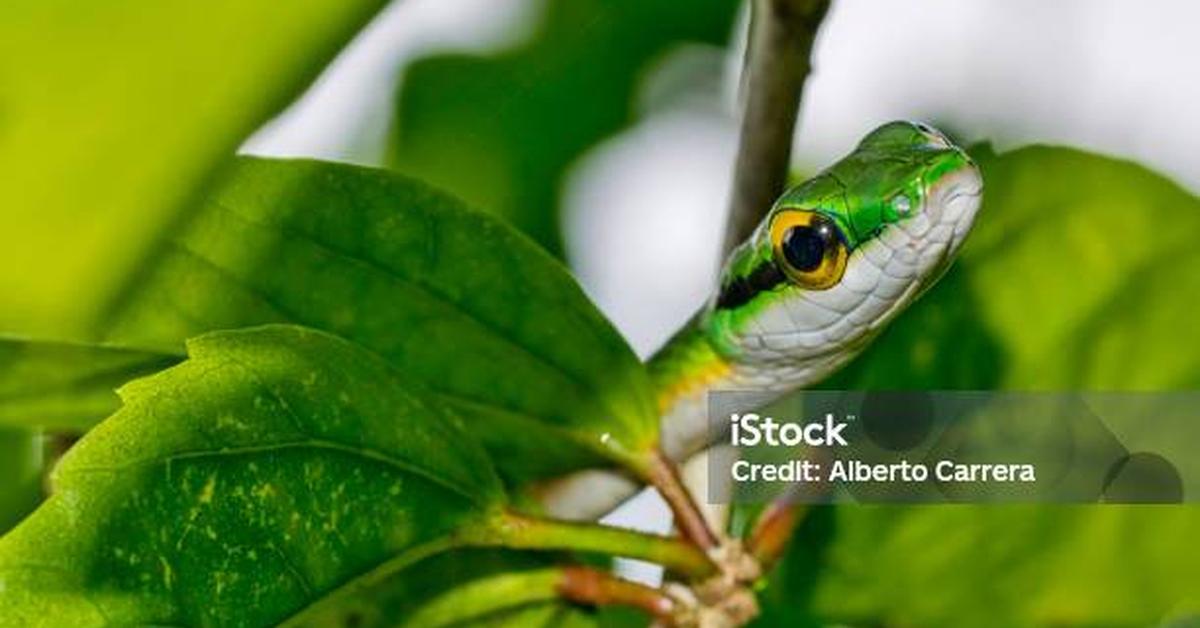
(835, 259)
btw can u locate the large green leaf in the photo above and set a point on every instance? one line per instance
(1081, 274)
(66, 386)
(111, 116)
(452, 296)
(501, 130)
(273, 472)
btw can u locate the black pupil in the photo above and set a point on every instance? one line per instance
(804, 247)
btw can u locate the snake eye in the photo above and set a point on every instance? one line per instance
(810, 248)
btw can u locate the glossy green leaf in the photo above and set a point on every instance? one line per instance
(1081, 274)
(452, 296)
(501, 130)
(274, 471)
(66, 386)
(112, 114)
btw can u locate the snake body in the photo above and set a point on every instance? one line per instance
(832, 263)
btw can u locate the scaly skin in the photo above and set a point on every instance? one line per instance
(902, 203)
(837, 258)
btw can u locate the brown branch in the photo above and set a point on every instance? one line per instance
(585, 585)
(664, 476)
(774, 529)
(777, 62)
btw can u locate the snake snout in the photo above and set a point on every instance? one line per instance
(952, 204)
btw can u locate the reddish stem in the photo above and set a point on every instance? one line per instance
(585, 585)
(664, 475)
(774, 529)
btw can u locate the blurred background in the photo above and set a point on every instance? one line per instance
(643, 205)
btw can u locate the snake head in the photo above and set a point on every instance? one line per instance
(841, 254)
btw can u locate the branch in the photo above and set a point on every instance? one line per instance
(520, 532)
(505, 591)
(585, 585)
(777, 62)
(773, 531)
(664, 476)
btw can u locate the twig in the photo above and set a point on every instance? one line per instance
(664, 476)
(585, 585)
(774, 529)
(521, 532)
(485, 596)
(778, 522)
(777, 62)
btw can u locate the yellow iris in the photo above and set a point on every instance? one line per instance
(809, 247)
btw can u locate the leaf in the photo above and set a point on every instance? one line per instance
(451, 296)
(66, 386)
(113, 114)
(1015, 565)
(21, 470)
(1080, 275)
(271, 472)
(500, 131)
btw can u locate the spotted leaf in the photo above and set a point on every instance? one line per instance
(272, 473)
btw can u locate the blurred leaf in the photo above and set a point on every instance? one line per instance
(452, 296)
(271, 471)
(66, 386)
(500, 131)
(111, 116)
(1078, 275)
(1003, 566)
(1081, 274)
(20, 475)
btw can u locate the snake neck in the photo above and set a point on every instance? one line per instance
(687, 364)
(682, 372)
(690, 365)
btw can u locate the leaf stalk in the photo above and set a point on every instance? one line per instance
(522, 532)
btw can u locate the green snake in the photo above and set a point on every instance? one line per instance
(831, 264)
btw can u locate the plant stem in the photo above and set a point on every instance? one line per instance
(574, 583)
(520, 532)
(596, 588)
(488, 595)
(774, 529)
(777, 62)
(663, 474)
